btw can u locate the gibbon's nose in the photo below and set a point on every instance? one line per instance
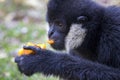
(50, 33)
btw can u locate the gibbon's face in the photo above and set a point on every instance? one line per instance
(58, 31)
(62, 29)
(66, 37)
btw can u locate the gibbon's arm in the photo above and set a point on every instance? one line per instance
(64, 65)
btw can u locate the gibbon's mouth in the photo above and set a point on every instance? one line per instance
(58, 45)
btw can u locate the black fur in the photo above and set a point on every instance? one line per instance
(99, 54)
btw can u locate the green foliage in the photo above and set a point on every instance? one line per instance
(10, 72)
(14, 34)
(13, 38)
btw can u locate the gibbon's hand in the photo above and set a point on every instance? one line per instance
(30, 64)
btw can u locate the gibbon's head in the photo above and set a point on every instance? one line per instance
(69, 21)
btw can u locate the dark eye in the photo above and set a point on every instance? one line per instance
(60, 25)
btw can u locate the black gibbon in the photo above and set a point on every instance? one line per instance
(90, 34)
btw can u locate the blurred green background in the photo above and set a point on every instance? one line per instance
(23, 21)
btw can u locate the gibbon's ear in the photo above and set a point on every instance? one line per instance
(82, 19)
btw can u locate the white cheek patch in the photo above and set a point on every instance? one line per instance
(75, 36)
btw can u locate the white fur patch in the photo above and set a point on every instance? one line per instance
(75, 36)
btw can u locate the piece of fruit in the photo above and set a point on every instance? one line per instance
(42, 46)
(25, 52)
(50, 41)
(30, 44)
(20, 52)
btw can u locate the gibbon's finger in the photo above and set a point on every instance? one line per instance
(31, 48)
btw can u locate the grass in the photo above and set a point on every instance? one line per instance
(11, 40)
(13, 35)
(10, 72)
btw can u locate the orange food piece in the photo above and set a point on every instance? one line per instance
(42, 46)
(20, 52)
(50, 41)
(27, 52)
(30, 44)
(24, 52)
